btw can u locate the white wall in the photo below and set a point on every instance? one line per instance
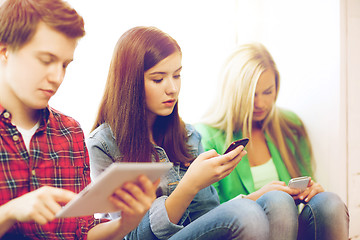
(350, 59)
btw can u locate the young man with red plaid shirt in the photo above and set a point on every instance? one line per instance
(43, 157)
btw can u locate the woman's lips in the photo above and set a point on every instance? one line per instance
(169, 103)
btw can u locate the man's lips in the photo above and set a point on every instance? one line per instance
(48, 92)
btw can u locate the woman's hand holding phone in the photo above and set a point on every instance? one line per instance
(312, 189)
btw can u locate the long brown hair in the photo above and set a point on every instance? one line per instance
(123, 105)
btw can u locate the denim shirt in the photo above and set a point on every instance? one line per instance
(103, 152)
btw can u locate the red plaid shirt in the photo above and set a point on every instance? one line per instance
(58, 157)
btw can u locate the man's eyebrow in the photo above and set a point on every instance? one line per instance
(47, 53)
(154, 73)
(54, 56)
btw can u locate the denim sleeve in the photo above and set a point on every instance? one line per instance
(99, 158)
(194, 141)
(159, 220)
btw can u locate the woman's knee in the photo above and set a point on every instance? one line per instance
(244, 209)
(322, 202)
(279, 202)
(247, 213)
(324, 215)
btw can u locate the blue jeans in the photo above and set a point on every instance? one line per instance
(325, 216)
(282, 214)
(235, 219)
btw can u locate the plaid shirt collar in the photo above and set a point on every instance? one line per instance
(45, 113)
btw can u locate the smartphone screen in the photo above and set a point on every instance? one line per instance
(237, 143)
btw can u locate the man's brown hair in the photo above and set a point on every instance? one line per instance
(19, 20)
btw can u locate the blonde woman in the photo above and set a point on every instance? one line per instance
(279, 147)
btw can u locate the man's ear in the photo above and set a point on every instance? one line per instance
(4, 52)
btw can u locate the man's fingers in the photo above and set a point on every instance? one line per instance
(62, 195)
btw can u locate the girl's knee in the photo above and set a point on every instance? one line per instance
(278, 201)
(324, 201)
(245, 210)
(249, 217)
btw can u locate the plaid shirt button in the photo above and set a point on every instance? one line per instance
(15, 138)
(6, 115)
(33, 172)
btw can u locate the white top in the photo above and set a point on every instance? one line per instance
(28, 133)
(263, 174)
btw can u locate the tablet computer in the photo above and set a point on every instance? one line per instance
(94, 197)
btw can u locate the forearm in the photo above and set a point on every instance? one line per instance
(178, 201)
(6, 222)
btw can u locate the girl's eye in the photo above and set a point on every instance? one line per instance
(177, 76)
(157, 80)
(268, 92)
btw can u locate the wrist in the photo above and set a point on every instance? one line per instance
(188, 188)
(253, 196)
(7, 219)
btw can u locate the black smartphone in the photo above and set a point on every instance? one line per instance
(237, 143)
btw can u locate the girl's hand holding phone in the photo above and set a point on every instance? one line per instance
(210, 167)
(312, 189)
(273, 186)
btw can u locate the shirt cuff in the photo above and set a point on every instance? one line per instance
(159, 220)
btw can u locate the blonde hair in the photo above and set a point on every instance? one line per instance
(234, 105)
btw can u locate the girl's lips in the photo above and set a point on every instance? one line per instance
(169, 103)
(258, 113)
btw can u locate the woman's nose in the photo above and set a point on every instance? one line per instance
(172, 86)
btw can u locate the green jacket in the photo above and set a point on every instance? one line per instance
(240, 181)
